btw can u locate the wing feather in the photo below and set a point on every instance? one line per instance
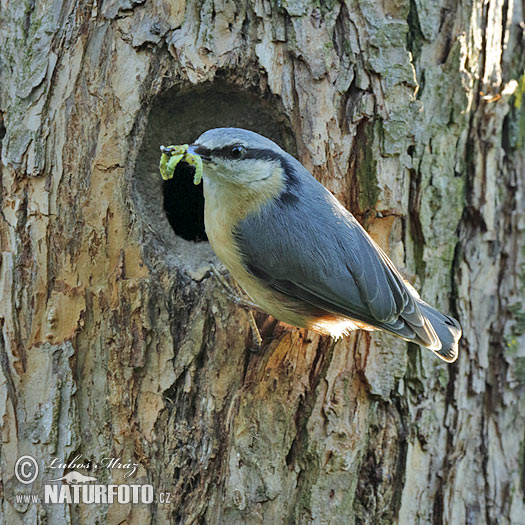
(312, 249)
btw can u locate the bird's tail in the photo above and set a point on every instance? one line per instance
(447, 329)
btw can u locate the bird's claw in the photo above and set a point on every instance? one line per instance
(243, 303)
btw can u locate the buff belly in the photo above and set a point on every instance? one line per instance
(220, 221)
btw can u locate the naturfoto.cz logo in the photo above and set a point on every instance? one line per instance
(94, 493)
(75, 487)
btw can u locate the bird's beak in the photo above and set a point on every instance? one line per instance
(201, 151)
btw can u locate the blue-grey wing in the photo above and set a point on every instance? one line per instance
(309, 247)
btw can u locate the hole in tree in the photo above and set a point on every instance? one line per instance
(179, 117)
(184, 204)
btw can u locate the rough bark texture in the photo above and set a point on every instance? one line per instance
(116, 342)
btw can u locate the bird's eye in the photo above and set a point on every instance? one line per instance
(236, 152)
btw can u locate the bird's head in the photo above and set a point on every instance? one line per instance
(239, 157)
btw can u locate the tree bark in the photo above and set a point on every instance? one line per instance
(117, 341)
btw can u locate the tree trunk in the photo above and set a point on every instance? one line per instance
(118, 342)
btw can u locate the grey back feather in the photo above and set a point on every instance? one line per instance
(308, 246)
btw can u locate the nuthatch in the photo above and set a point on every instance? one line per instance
(298, 253)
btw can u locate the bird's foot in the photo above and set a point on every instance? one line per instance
(256, 335)
(234, 294)
(232, 291)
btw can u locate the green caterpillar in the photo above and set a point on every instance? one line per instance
(172, 155)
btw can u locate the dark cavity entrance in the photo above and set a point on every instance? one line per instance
(179, 117)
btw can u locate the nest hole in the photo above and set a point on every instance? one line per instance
(179, 117)
(183, 204)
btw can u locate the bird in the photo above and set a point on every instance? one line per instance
(298, 253)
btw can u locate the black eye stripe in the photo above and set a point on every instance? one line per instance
(226, 151)
(286, 162)
(249, 153)
(202, 152)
